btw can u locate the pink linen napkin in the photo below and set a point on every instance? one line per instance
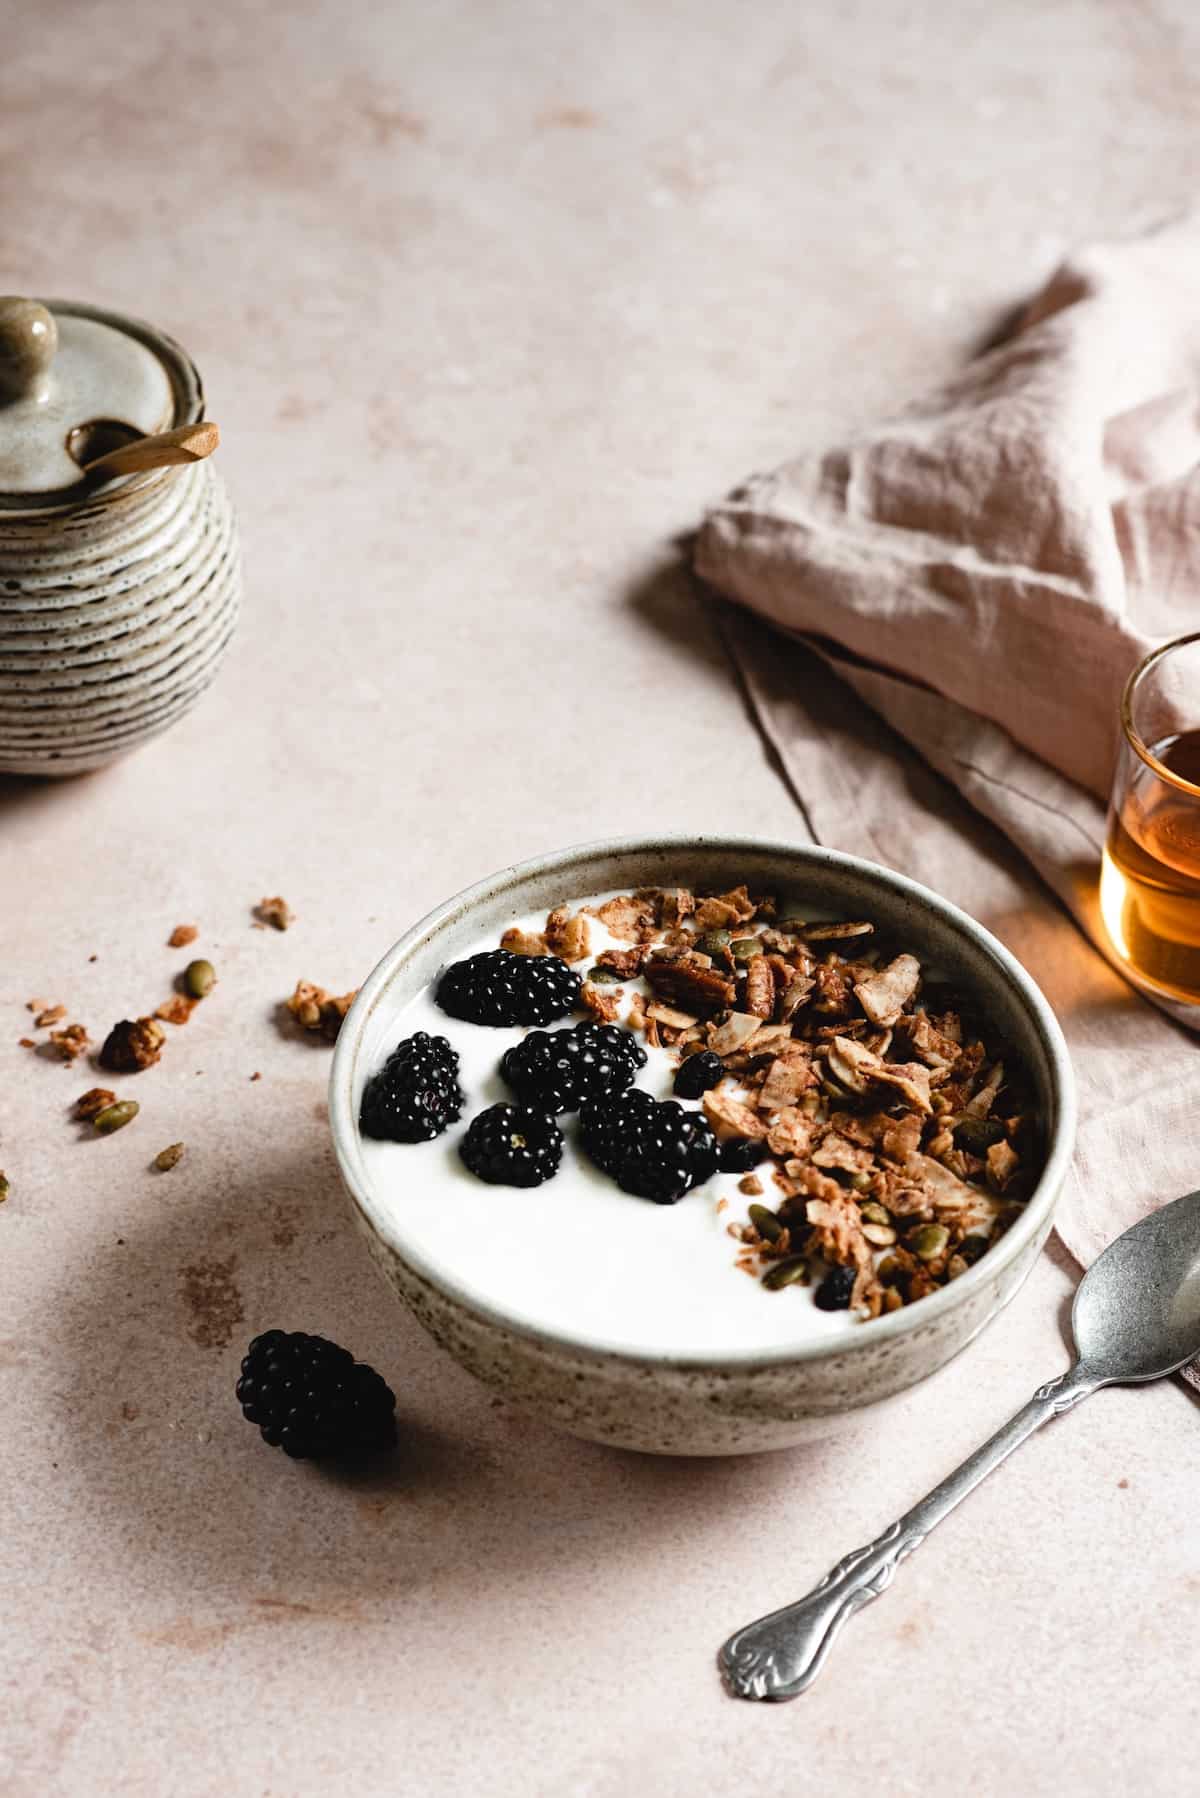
(984, 570)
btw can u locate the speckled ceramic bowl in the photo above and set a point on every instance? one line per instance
(739, 1402)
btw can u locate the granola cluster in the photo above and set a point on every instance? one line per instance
(897, 1136)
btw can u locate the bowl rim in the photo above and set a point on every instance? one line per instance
(872, 1334)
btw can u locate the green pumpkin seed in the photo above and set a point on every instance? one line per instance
(861, 1182)
(978, 1135)
(766, 1223)
(875, 1214)
(745, 948)
(882, 1235)
(199, 977)
(930, 1241)
(893, 1299)
(786, 1273)
(891, 1271)
(115, 1117)
(715, 942)
(603, 977)
(168, 1158)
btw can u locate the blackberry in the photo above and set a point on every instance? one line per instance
(512, 1145)
(739, 1155)
(500, 988)
(698, 1073)
(312, 1399)
(560, 1070)
(651, 1147)
(415, 1094)
(835, 1290)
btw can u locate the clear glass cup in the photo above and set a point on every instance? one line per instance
(1150, 878)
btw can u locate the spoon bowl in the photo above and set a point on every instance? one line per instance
(1136, 1314)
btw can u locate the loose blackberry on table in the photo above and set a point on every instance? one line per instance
(650, 1147)
(416, 1094)
(313, 1400)
(560, 1070)
(512, 1145)
(502, 989)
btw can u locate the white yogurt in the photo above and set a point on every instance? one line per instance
(577, 1255)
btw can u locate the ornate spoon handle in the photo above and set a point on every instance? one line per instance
(780, 1655)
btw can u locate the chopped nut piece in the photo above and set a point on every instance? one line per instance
(26, 1042)
(132, 1045)
(884, 996)
(276, 912)
(1002, 1164)
(694, 987)
(96, 1099)
(751, 1185)
(731, 1119)
(50, 1015)
(828, 933)
(315, 1009)
(628, 917)
(760, 989)
(625, 962)
(177, 1009)
(836, 1151)
(604, 1002)
(567, 934)
(168, 1158)
(71, 1041)
(182, 935)
(520, 942)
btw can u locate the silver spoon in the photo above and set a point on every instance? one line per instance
(1136, 1317)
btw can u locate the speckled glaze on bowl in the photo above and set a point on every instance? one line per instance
(740, 1402)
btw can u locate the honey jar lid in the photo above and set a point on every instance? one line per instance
(76, 383)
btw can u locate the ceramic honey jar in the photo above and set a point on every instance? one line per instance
(120, 577)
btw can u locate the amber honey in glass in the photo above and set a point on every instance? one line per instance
(1150, 880)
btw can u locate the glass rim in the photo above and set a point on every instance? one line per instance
(1140, 748)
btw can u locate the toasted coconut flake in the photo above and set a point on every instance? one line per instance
(730, 1119)
(884, 996)
(981, 1102)
(667, 1014)
(734, 1033)
(786, 1080)
(790, 1133)
(834, 933)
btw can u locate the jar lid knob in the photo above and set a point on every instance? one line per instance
(28, 340)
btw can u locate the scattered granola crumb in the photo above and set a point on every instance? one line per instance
(132, 1044)
(256, 1076)
(522, 942)
(70, 1042)
(5, 1187)
(604, 1002)
(36, 1004)
(26, 1042)
(315, 1009)
(93, 958)
(50, 1015)
(182, 935)
(177, 1009)
(751, 1185)
(566, 935)
(95, 1100)
(276, 912)
(167, 1158)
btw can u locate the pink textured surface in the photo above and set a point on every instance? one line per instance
(490, 301)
